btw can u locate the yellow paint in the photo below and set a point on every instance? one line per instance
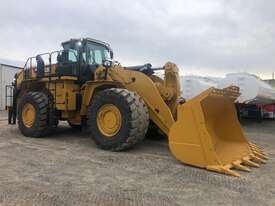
(19, 78)
(172, 83)
(54, 67)
(88, 90)
(46, 79)
(28, 115)
(109, 120)
(208, 134)
(64, 92)
(140, 83)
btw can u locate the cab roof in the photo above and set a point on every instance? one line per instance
(89, 40)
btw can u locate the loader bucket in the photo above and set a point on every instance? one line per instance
(207, 134)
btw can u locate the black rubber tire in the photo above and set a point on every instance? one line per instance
(135, 119)
(45, 120)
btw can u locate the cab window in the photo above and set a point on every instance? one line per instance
(96, 53)
(98, 57)
(72, 55)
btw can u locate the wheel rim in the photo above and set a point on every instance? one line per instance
(109, 120)
(28, 115)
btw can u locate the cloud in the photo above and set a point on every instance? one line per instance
(210, 37)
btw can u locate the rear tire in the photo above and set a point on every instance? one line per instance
(43, 121)
(134, 119)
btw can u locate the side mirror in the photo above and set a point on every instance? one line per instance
(107, 63)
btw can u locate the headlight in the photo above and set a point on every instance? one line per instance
(79, 43)
(107, 63)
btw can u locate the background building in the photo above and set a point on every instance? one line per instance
(7, 72)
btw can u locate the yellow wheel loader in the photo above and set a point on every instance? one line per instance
(82, 85)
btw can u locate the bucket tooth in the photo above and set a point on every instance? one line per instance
(248, 162)
(257, 150)
(256, 147)
(257, 159)
(228, 171)
(252, 144)
(237, 165)
(260, 155)
(224, 170)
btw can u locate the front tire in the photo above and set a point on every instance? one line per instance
(117, 119)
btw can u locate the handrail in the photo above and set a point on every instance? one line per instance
(50, 54)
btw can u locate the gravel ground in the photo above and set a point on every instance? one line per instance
(68, 169)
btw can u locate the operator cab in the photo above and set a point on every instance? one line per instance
(81, 57)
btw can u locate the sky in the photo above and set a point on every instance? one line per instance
(203, 37)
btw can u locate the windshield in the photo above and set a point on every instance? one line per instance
(88, 53)
(95, 53)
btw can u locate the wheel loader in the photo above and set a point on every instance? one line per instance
(83, 85)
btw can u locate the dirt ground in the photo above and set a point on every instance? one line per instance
(68, 169)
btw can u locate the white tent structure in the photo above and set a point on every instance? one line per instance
(253, 90)
(194, 85)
